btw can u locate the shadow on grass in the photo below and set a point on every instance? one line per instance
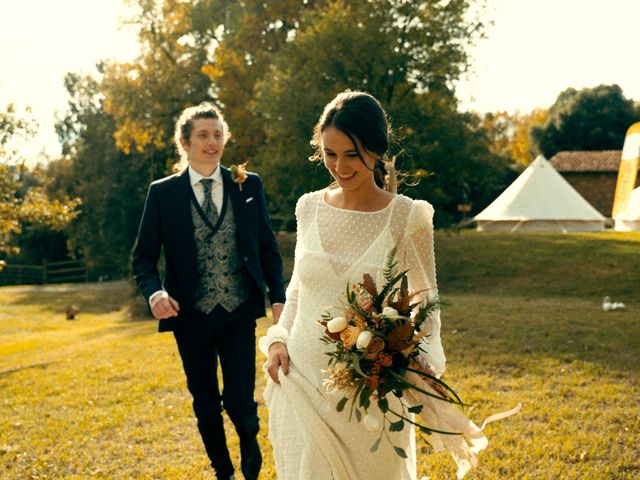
(121, 329)
(91, 298)
(41, 366)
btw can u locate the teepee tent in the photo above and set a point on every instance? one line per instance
(629, 219)
(540, 199)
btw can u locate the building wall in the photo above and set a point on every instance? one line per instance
(597, 188)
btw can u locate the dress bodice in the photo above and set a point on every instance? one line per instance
(335, 247)
(338, 246)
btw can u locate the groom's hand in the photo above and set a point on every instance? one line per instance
(278, 357)
(276, 311)
(164, 306)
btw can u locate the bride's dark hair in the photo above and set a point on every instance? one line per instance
(360, 116)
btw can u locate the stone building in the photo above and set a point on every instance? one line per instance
(593, 174)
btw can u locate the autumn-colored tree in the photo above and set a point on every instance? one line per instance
(271, 66)
(252, 34)
(209, 50)
(144, 97)
(408, 55)
(112, 184)
(22, 204)
(117, 133)
(511, 134)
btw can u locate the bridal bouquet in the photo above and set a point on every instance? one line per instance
(376, 341)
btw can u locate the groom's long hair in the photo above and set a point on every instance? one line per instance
(184, 126)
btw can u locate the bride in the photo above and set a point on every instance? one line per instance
(342, 233)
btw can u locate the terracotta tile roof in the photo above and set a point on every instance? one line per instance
(587, 161)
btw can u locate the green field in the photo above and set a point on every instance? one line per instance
(104, 396)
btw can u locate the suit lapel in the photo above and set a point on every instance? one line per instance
(183, 208)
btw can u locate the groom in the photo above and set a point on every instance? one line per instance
(219, 252)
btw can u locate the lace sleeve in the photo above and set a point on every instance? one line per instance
(419, 259)
(280, 331)
(291, 305)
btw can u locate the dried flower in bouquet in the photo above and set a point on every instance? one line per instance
(376, 342)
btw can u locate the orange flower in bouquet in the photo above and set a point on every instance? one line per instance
(376, 346)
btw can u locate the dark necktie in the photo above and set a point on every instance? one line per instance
(208, 207)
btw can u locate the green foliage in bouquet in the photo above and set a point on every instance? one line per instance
(375, 345)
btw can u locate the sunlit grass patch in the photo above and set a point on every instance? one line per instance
(104, 396)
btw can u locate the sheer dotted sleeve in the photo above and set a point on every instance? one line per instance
(280, 331)
(291, 305)
(419, 258)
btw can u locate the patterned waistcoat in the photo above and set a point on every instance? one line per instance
(223, 278)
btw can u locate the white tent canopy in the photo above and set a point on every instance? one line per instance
(629, 219)
(540, 199)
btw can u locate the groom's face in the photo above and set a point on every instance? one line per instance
(206, 144)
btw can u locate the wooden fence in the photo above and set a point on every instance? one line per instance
(70, 271)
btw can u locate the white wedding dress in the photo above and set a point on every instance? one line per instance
(310, 439)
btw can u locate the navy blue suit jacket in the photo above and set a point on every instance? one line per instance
(167, 224)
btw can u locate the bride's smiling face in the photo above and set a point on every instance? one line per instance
(341, 159)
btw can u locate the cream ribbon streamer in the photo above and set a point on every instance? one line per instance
(468, 441)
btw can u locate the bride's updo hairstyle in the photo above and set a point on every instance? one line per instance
(359, 116)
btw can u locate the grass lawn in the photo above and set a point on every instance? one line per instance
(104, 396)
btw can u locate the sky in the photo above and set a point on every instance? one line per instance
(534, 50)
(42, 40)
(538, 48)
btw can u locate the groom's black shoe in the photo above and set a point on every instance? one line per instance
(250, 458)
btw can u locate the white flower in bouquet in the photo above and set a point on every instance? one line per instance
(386, 323)
(390, 312)
(338, 324)
(364, 339)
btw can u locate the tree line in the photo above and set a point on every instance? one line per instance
(271, 67)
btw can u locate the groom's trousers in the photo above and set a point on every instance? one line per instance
(230, 337)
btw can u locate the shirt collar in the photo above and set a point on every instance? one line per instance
(195, 177)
